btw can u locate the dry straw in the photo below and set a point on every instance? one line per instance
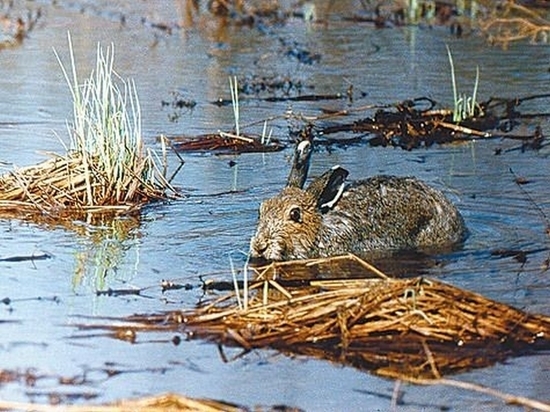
(106, 168)
(414, 328)
(160, 403)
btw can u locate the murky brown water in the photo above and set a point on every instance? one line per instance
(196, 236)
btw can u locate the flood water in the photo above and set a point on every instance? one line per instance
(199, 235)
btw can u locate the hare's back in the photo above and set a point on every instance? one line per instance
(394, 190)
(399, 212)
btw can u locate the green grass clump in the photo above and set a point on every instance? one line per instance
(106, 169)
(465, 107)
(106, 133)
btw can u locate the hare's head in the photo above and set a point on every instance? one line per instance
(290, 222)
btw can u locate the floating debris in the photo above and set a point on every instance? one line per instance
(513, 22)
(415, 123)
(223, 143)
(26, 258)
(15, 24)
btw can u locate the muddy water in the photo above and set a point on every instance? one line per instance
(197, 236)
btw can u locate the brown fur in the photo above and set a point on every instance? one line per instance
(380, 213)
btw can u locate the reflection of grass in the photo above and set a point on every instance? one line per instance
(105, 253)
(465, 107)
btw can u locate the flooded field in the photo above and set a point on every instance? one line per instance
(181, 60)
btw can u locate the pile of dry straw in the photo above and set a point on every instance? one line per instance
(414, 328)
(73, 184)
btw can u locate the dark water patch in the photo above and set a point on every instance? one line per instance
(294, 50)
(256, 85)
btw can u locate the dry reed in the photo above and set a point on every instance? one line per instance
(161, 403)
(514, 22)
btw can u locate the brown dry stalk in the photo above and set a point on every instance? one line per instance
(159, 403)
(377, 310)
(72, 183)
(400, 328)
(515, 22)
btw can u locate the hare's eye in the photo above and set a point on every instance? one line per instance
(296, 215)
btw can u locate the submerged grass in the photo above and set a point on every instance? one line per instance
(106, 167)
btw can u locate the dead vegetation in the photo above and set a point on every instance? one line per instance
(419, 122)
(501, 22)
(511, 22)
(417, 330)
(160, 403)
(16, 22)
(69, 186)
(225, 143)
(407, 329)
(409, 124)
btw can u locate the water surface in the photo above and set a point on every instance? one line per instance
(185, 239)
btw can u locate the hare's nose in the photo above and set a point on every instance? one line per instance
(257, 248)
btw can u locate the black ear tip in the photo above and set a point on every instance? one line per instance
(339, 172)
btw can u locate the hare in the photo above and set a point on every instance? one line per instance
(331, 216)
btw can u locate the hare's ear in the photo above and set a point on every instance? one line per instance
(300, 164)
(328, 188)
